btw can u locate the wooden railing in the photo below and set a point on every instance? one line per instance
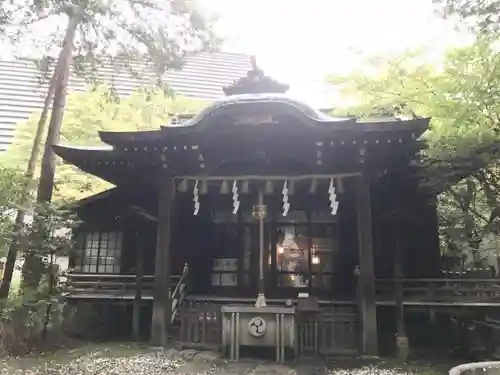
(179, 293)
(124, 286)
(332, 330)
(441, 289)
(110, 285)
(201, 325)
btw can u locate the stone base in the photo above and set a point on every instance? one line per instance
(368, 357)
(402, 347)
(261, 301)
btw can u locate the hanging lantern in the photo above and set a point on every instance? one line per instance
(340, 185)
(196, 199)
(183, 186)
(280, 237)
(204, 187)
(224, 187)
(315, 258)
(245, 188)
(291, 187)
(236, 201)
(286, 204)
(314, 185)
(268, 189)
(334, 204)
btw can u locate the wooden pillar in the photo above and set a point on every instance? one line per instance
(139, 273)
(261, 296)
(309, 255)
(366, 280)
(241, 254)
(162, 304)
(273, 248)
(402, 345)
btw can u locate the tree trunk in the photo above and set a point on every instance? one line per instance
(52, 282)
(30, 172)
(33, 266)
(46, 182)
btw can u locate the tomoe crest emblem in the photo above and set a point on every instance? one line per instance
(257, 326)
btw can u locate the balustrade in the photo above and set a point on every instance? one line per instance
(438, 290)
(109, 285)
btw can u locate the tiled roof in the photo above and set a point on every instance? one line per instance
(202, 76)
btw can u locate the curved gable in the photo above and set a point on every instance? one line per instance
(260, 109)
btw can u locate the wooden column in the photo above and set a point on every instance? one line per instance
(261, 212)
(139, 273)
(161, 288)
(309, 254)
(273, 249)
(366, 280)
(402, 345)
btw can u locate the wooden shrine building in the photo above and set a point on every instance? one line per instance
(266, 200)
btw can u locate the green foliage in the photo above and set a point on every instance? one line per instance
(463, 98)
(48, 235)
(22, 325)
(11, 188)
(26, 318)
(86, 114)
(160, 32)
(480, 15)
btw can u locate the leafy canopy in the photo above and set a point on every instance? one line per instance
(160, 32)
(11, 188)
(482, 16)
(462, 96)
(86, 114)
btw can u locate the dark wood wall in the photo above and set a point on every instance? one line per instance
(348, 230)
(110, 213)
(418, 233)
(400, 204)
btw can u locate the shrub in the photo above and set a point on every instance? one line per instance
(28, 326)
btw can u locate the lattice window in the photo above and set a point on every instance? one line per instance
(100, 252)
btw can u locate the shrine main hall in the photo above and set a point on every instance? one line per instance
(257, 200)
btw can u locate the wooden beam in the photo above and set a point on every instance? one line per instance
(366, 282)
(268, 178)
(161, 305)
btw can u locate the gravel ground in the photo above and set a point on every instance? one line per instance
(372, 370)
(96, 362)
(137, 365)
(152, 362)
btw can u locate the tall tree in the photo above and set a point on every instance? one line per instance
(158, 31)
(86, 114)
(29, 174)
(62, 71)
(463, 98)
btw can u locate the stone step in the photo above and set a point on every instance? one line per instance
(310, 366)
(209, 362)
